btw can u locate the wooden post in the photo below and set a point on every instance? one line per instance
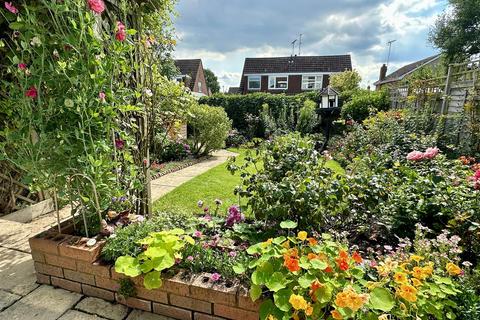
(446, 91)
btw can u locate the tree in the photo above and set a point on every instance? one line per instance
(212, 81)
(346, 81)
(457, 31)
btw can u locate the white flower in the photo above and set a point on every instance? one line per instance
(36, 42)
(148, 92)
(200, 203)
(69, 103)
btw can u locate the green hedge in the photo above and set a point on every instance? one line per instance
(238, 106)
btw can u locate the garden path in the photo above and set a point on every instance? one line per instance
(21, 298)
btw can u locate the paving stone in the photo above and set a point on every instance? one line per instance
(77, 315)
(7, 298)
(143, 315)
(44, 303)
(102, 308)
(16, 272)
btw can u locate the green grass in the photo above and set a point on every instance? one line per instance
(216, 183)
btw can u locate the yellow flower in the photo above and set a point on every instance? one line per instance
(453, 269)
(298, 302)
(418, 273)
(404, 266)
(416, 282)
(349, 298)
(407, 292)
(386, 267)
(416, 258)
(286, 244)
(336, 315)
(427, 271)
(400, 277)
(383, 317)
(302, 235)
(309, 311)
(271, 317)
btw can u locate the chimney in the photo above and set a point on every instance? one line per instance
(383, 72)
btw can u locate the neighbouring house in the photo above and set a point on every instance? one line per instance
(291, 75)
(192, 74)
(404, 72)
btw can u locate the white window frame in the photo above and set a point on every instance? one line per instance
(199, 85)
(254, 78)
(274, 79)
(317, 84)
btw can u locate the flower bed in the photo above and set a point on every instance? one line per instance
(66, 261)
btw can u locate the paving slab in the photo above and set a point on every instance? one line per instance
(44, 303)
(7, 299)
(143, 315)
(77, 315)
(102, 308)
(17, 274)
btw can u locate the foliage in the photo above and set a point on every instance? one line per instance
(235, 139)
(308, 118)
(162, 249)
(212, 81)
(173, 151)
(346, 81)
(363, 103)
(209, 128)
(456, 31)
(127, 288)
(312, 278)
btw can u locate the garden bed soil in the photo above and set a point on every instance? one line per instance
(66, 261)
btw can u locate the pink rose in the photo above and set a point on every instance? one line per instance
(22, 66)
(32, 92)
(121, 35)
(10, 7)
(97, 6)
(415, 156)
(431, 153)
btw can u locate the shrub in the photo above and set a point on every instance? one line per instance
(235, 139)
(308, 118)
(173, 151)
(363, 103)
(209, 128)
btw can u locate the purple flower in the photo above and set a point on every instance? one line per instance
(190, 258)
(123, 199)
(114, 199)
(207, 217)
(119, 144)
(232, 254)
(215, 277)
(197, 234)
(234, 216)
(206, 209)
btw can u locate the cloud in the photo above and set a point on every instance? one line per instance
(223, 33)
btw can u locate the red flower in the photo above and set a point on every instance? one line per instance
(357, 257)
(121, 35)
(328, 269)
(22, 66)
(291, 264)
(97, 6)
(32, 92)
(10, 7)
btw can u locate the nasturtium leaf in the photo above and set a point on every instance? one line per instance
(306, 280)
(239, 268)
(279, 240)
(318, 264)
(165, 262)
(304, 263)
(255, 292)
(324, 293)
(381, 299)
(288, 224)
(127, 265)
(256, 248)
(267, 308)
(152, 280)
(262, 273)
(276, 282)
(281, 298)
(155, 252)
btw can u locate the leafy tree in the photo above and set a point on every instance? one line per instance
(212, 81)
(456, 32)
(346, 81)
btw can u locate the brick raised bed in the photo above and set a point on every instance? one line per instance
(64, 261)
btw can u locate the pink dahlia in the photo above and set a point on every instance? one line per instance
(121, 34)
(97, 6)
(10, 7)
(32, 92)
(431, 153)
(415, 156)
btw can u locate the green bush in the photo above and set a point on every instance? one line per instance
(209, 128)
(362, 103)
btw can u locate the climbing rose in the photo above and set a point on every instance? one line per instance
(97, 6)
(32, 92)
(431, 153)
(10, 7)
(121, 35)
(415, 156)
(22, 66)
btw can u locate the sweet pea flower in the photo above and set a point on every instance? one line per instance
(102, 96)
(22, 66)
(10, 7)
(121, 35)
(431, 153)
(415, 156)
(215, 277)
(190, 258)
(232, 254)
(97, 6)
(32, 92)
(197, 234)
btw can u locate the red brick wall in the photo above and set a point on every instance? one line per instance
(200, 78)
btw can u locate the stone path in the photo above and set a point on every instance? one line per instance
(21, 298)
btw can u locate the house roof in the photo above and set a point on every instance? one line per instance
(329, 91)
(234, 90)
(189, 67)
(406, 70)
(300, 64)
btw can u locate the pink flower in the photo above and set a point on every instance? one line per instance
(22, 66)
(119, 144)
(101, 96)
(197, 234)
(232, 254)
(431, 153)
(190, 258)
(121, 35)
(10, 7)
(207, 217)
(215, 277)
(97, 6)
(415, 156)
(32, 92)
(476, 176)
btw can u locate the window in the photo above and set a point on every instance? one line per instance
(179, 79)
(275, 82)
(254, 82)
(312, 82)
(200, 87)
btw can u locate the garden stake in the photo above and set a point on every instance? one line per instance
(55, 203)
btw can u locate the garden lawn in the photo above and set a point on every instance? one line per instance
(216, 183)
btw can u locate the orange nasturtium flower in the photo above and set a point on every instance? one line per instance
(419, 273)
(328, 269)
(416, 282)
(314, 287)
(291, 264)
(349, 298)
(400, 277)
(312, 256)
(342, 260)
(312, 241)
(407, 292)
(357, 257)
(453, 269)
(336, 315)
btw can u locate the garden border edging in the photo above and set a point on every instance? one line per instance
(64, 261)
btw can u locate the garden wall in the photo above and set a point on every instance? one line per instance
(66, 261)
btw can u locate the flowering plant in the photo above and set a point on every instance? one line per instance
(308, 277)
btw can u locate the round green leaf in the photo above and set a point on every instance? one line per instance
(127, 265)
(281, 299)
(288, 224)
(381, 299)
(276, 282)
(239, 268)
(255, 292)
(152, 280)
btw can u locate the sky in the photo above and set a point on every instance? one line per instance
(224, 32)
